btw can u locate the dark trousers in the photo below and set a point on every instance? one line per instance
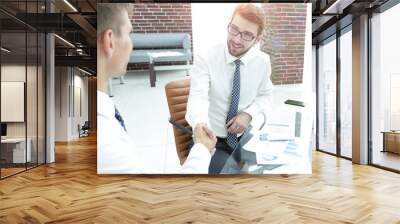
(222, 153)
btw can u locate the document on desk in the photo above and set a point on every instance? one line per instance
(273, 153)
(277, 132)
(267, 152)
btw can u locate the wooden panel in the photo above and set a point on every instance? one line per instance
(92, 103)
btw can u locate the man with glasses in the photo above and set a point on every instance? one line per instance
(230, 84)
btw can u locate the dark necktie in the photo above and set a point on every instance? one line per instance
(119, 118)
(232, 139)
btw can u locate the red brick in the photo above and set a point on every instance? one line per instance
(284, 41)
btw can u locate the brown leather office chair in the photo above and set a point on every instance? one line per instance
(177, 96)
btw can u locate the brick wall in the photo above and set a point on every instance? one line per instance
(284, 41)
(161, 18)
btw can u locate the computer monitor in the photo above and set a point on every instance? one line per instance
(3, 129)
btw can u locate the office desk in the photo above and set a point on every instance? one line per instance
(264, 155)
(13, 150)
(271, 157)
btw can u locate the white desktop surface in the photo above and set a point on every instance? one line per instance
(12, 140)
(296, 161)
(19, 149)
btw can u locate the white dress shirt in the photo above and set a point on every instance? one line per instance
(211, 86)
(117, 153)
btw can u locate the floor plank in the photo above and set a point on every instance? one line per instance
(70, 191)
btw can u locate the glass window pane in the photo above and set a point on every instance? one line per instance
(346, 94)
(41, 98)
(31, 97)
(327, 97)
(22, 87)
(386, 89)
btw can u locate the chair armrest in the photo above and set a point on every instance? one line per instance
(245, 137)
(264, 120)
(180, 127)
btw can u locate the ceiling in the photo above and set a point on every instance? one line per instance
(74, 21)
(332, 15)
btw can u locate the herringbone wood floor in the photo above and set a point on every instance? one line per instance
(70, 191)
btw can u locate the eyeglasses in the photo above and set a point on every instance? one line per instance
(247, 36)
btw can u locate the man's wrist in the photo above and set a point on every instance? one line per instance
(248, 114)
(251, 110)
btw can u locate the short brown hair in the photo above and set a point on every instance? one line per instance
(109, 16)
(252, 13)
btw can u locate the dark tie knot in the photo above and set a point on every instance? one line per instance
(237, 62)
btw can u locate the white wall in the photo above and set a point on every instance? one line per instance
(71, 93)
(61, 103)
(210, 29)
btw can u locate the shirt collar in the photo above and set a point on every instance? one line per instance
(244, 58)
(105, 105)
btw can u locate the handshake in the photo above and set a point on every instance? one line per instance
(203, 135)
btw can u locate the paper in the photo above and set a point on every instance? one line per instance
(279, 132)
(257, 145)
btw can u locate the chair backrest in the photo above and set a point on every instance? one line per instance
(177, 96)
(160, 40)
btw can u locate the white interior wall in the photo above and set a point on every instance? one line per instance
(211, 29)
(61, 103)
(71, 93)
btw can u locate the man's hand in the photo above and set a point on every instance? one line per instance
(209, 132)
(239, 123)
(200, 135)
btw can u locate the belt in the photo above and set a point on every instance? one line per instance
(224, 139)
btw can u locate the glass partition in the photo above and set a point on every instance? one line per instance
(346, 93)
(22, 88)
(327, 96)
(14, 153)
